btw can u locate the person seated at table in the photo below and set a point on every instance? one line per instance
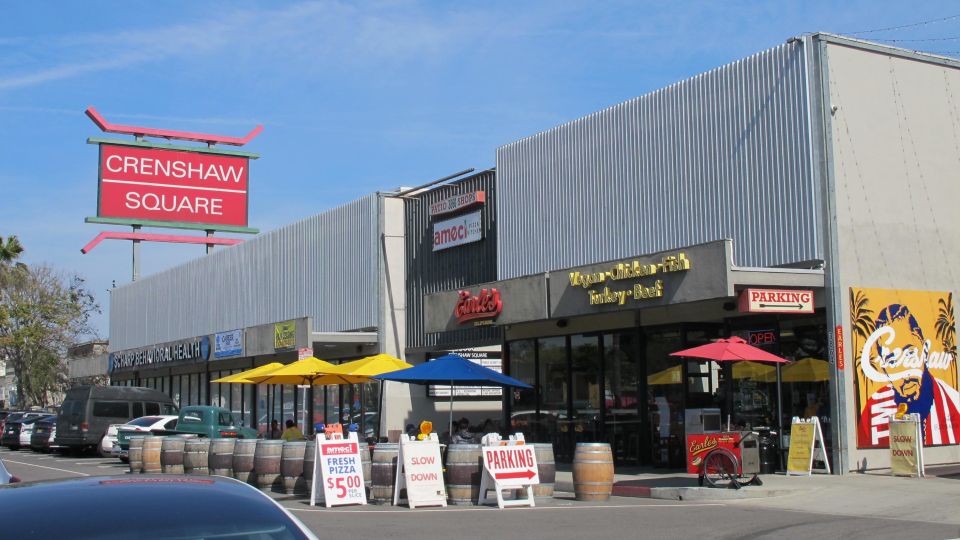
(292, 433)
(462, 435)
(412, 431)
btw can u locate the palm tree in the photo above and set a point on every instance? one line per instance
(945, 325)
(10, 250)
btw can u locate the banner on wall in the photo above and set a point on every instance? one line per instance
(904, 353)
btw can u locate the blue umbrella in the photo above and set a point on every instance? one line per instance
(454, 370)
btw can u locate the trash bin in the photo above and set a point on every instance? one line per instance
(769, 462)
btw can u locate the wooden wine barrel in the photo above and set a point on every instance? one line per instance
(266, 463)
(244, 451)
(308, 459)
(135, 454)
(151, 454)
(220, 457)
(592, 472)
(367, 466)
(464, 469)
(291, 467)
(171, 455)
(546, 468)
(383, 472)
(196, 456)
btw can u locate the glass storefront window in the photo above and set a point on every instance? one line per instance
(585, 390)
(371, 410)
(194, 388)
(554, 393)
(665, 391)
(523, 402)
(621, 391)
(175, 390)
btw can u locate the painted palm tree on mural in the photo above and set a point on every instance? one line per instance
(861, 316)
(946, 326)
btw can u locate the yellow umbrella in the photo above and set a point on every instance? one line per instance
(671, 375)
(754, 370)
(241, 377)
(305, 371)
(806, 370)
(373, 365)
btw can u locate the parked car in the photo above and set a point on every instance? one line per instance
(119, 434)
(208, 421)
(44, 434)
(5, 476)
(88, 411)
(119, 507)
(18, 428)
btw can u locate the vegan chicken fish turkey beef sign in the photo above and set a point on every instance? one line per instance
(149, 184)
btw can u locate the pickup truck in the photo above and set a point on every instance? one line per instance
(201, 420)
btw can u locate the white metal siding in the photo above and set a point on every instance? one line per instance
(323, 267)
(725, 154)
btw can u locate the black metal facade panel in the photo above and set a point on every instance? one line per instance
(725, 154)
(431, 271)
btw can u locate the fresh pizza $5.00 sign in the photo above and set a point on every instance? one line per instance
(340, 471)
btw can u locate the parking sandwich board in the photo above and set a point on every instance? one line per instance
(509, 465)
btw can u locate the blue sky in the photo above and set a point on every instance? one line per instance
(354, 97)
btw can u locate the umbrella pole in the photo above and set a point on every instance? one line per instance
(779, 417)
(450, 428)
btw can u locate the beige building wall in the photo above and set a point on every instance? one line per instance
(895, 136)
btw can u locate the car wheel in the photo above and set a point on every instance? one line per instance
(125, 460)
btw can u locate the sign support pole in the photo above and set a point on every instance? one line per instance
(209, 246)
(136, 255)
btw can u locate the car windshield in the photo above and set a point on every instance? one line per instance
(145, 421)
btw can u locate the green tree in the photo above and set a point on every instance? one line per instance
(10, 250)
(42, 313)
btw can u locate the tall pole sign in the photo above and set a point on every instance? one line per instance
(148, 184)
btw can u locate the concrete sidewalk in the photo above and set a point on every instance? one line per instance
(677, 485)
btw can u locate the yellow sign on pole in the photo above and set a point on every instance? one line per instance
(284, 335)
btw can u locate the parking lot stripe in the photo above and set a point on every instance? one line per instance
(483, 508)
(44, 467)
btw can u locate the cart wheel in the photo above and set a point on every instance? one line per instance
(700, 480)
(749, 480)
(752, 480)
(720, 469)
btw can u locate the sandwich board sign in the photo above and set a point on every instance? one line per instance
(906, 446)
(420, 472)
(337, 467)
(508, 465)
(806, 445)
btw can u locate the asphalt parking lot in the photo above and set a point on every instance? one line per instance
(557, 518)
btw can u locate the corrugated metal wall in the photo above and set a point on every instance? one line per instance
(323, 267)
(722, 155)
(429, 271)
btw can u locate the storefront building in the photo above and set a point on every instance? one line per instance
(328, 286)
(451, 241)
(817, 174)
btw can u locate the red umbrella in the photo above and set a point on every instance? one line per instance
(732, 349)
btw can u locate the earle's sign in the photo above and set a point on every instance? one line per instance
(196, 349)
(480, 309)
(172, 185)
